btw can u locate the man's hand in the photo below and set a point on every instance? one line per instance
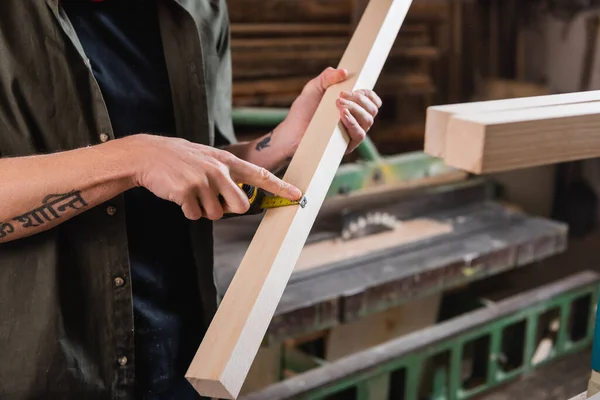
(357, 113)
(357, 110)
(194, 175)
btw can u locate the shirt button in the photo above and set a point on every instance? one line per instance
(119, 281)
(111, 210)
(122, 361)
(103, 137)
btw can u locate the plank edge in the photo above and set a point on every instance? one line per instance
(436, 124)
(209, 387)
(465, 141)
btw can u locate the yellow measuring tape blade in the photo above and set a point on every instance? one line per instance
(276, 201)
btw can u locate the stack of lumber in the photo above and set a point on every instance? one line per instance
(503, 135)
(279, 45)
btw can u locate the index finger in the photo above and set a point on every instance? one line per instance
(260, 177)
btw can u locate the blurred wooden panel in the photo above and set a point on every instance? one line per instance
(255, 58)
(279, 45)
(277, 92)
(290, 10)
(259, 57)
(279, 30)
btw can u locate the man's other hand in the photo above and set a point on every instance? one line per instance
(357, 110)
(194, 175)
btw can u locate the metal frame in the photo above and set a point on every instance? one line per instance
(369, 371)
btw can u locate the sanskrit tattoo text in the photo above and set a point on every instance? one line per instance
(5, 229)
(53, 206)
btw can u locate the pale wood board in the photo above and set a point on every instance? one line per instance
(227, 351)
(438, 117)
(510, 140)
(330, 251)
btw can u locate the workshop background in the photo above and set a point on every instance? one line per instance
(419, 281)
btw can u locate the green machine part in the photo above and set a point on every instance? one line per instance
(370, 170)
(430, 364)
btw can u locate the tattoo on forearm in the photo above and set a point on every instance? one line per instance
(53, 206)
(5, 229)
(265, 142)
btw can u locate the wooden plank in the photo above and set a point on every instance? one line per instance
(244, 48)
(279, 29)
(235, 334)
(281, 56)
(276, 44)
(285, 56)
(503, 141)
(283, 91)
(315, 11)
(438, 117)
(294, 85)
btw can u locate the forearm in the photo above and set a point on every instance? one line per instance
(270, 151)
(39, 192)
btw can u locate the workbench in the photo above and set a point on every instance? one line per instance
(486, 238)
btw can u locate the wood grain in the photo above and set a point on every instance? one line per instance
(224, 357)
(282, 91)
(286, 56)
(280, 29)
(438, 117)
(509, 140)
(279, 11)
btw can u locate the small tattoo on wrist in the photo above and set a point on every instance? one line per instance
(265, 142)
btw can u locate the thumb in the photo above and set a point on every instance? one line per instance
(329, 77)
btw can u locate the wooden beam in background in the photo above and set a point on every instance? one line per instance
(252, 29)
(235, 334)
(284, 11)
(502, 141)
(438, 117)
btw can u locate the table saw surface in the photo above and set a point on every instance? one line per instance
(484, 238)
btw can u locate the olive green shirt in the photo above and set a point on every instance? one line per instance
(66, 319)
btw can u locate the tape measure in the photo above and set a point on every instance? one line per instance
(260, 201)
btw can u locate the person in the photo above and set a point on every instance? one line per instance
(117, 153)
